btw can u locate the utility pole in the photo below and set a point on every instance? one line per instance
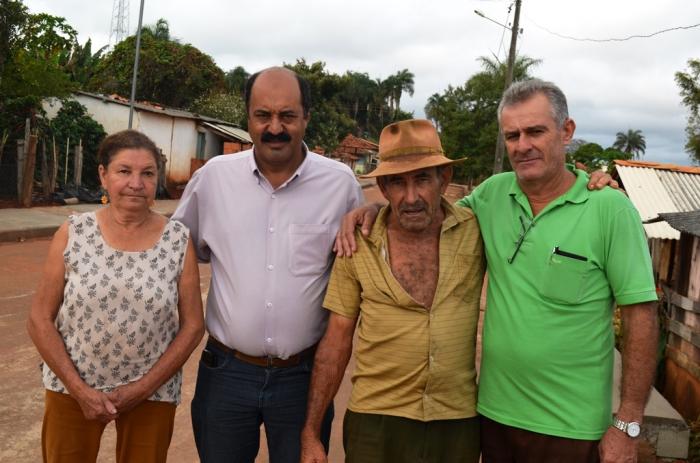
(500, 145)
(136, 67)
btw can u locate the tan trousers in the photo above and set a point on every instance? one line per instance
(143, 433)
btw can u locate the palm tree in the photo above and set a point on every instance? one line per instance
(236, 79)
(402, 82)
(632, 142)
(434, 109)
(80, 62)
(160, 30)
(358, 91)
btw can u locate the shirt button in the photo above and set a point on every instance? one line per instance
(269, 305)
(270, 267)
(272, 229)
(273, 196)
(269, 340)
(432, 359)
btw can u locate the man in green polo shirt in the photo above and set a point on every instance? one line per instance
(559, 257)
(414, 284)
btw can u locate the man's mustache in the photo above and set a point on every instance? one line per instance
(415, 207)
(268, 137)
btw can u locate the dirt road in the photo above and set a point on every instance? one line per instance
(21, 390)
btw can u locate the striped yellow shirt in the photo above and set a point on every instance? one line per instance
(410, 361)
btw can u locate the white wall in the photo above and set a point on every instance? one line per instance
(177, 137)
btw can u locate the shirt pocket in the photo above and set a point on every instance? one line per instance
(309, 248)
(563, 279)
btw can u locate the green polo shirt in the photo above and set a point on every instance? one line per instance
(548, 340)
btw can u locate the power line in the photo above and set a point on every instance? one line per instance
(614, 39)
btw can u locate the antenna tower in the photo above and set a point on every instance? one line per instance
(119, 26)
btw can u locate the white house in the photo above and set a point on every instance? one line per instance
(186, 139)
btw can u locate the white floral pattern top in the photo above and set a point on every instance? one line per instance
(119, 311)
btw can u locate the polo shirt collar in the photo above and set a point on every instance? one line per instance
(578, 193)
(378, 233)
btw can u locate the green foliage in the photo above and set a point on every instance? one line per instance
(30, 64)
(631, 142)
(329, 121)
(228, 107)
(80, 62)
(170, 73)
(689, 84)
(594, 157)
(466, 116)
(72, 124)
(236, 79)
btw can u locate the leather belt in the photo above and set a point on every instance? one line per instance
(265, 361)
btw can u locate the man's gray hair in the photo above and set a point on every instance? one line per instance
(526, 89)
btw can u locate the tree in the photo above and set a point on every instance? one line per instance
(170, 73)
(80, 62)
(30, 64)
(358, 95)
(228, 107)
(399, 83)
(160, 30)
(689, 83)
(631, 143)
(466, 116)
(329, 121)
(73, 125)
(594, 157)
(236, 79)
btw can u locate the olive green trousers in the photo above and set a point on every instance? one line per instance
(370, 438)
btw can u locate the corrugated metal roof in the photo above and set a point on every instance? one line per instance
(655, 189)
(688, 222)
(154, 108)
(234, 132)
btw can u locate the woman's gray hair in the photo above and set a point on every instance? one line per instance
(526, 89)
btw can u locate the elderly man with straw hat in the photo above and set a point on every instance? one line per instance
(414, 285)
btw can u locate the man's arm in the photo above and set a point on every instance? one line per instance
(640, 338)
(330, 361)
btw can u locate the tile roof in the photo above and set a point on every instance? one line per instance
(352, 146)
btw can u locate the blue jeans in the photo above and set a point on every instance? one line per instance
(233, 398)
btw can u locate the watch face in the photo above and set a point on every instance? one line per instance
(633, 429)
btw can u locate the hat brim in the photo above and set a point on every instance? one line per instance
(403, 164)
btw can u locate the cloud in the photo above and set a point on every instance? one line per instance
(611, 86)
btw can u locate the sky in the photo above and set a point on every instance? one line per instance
(611, 86)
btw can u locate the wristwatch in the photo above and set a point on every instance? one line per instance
(632, 428)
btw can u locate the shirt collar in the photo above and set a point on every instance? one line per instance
(300, 170)
(578, 193)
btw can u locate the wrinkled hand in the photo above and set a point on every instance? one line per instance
(312, 450)
(600, 179)
(96, 405)
(617, 447)
(127, 396)
(365, 216)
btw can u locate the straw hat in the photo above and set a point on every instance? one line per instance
(409, 145)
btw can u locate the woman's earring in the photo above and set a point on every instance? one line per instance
(104, 199)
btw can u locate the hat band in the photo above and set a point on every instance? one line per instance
(409, 150)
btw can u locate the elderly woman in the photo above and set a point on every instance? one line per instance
(117, 313)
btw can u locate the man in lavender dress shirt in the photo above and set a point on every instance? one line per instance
(265, 219)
